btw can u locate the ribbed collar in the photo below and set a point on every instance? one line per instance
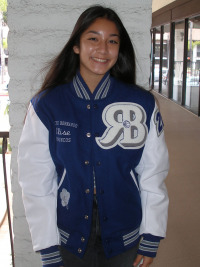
(82, 90)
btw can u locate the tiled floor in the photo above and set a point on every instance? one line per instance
(181, 248)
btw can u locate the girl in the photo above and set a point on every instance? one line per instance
(92, 155)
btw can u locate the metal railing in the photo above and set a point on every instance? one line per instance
(5, 136)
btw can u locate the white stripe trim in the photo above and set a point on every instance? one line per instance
(76, 88)
(106, 90)
(50, 255)
(64, 233)
(101, 88)
(150, 243)
(127, 242)
(62, 179)
(131, 234)
(63, 239)
(134, 179)
(51, 261)
(82, 88)
(147, 249)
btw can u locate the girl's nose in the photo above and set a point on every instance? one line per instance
(102, 47)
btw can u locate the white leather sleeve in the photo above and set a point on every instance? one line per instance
(38, 179)
(152, 171)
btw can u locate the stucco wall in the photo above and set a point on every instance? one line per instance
(38, 31)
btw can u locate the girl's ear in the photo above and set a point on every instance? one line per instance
(76, 49)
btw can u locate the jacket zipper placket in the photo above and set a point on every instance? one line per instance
(93, 141)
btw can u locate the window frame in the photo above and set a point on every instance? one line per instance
(180, 10)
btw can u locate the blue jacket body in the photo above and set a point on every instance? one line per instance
(112, 139)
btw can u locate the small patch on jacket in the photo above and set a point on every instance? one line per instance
(158, 122)
(65, 196)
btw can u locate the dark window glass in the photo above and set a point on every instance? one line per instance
(178, 61)
(157, 59)
(193, 65)
(151, 63)
(165, 59)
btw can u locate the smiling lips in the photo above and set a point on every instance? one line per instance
(100, 60)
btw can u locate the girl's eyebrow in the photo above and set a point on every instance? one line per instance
(112, 34)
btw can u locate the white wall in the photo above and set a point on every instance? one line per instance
(38, 30)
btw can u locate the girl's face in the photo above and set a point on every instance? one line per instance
(98, 49)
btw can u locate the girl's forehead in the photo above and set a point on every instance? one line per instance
(103, 24)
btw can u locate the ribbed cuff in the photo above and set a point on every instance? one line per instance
(149, 245)
(51, 257)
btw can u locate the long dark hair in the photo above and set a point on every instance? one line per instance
(63, 68)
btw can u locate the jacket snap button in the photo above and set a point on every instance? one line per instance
(95, 106)
(82, 239)
(86, 217)
(87, 191)
(88, 106)
(98, 163)
(79, 250)
(88, 134)
(87, 162)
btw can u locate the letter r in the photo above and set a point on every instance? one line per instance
(126, 126)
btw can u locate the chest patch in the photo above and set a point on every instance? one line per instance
(126, 126)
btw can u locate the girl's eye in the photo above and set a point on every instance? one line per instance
(92, 39)
(114, 42)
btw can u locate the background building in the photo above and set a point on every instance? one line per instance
(175, 57)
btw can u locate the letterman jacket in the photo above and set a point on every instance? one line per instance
(71, 136)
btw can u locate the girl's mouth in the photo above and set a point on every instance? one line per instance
(100, 60)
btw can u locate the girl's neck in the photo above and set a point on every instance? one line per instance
(92, 80)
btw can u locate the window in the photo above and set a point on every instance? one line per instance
(198, 50)
(178, 61)
(152, 60)
(175, 58)
(193, 65)
(157, 59)
(165, 60)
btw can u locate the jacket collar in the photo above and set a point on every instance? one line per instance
(82, 90)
